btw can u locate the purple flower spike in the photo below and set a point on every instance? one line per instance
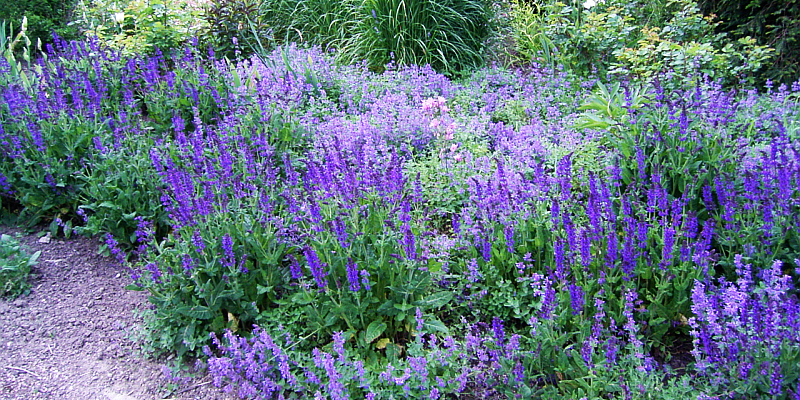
(352, 276)
(499, 332)
(316, 268)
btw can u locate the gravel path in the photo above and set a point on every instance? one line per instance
(71, 337)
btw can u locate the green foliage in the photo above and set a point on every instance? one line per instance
(686, 45)
(47, 173)
(44, 17)
(530, 35)
(206, 295)
(139, 26)
(15, 266)
(259, 26)
(240, 19)
(399, 288)
(327, 23)
(121, 186)
(633, 40)
(447, 34)
(16, 50)
(773, 23)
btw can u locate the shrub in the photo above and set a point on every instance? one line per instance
(769, 23)
(634, 40)
(687, 44)
(140, 26)
(240, 19)
(45, 17)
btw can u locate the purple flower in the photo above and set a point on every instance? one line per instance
(474, 273)
(576, 295)
(188, 263)
(352, 276)
(227, 248)
(499, 332)
(508, 231)
(294, 268)
(409, 243)
(316, 268)
(155, 273)
(365, 279)
(338, 344)
(586, 249)
(113, 247)
(340, 231)
(198, 242)
(669, 243)
(558, 248)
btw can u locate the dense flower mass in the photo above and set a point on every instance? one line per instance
(402, 234)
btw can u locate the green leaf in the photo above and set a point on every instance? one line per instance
(34, 257)
(416, 286)
(264, 289)
(302, 298)
(432, 324)
(403, 307)
(387, 308)
(435, 300)
(198, 312)
(331, 319)
(375, 330)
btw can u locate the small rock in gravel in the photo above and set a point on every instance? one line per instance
(19, 303)
(45, 239)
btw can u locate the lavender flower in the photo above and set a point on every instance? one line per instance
(352, 276)
(365, 279)
(316, 268)
(227, 247)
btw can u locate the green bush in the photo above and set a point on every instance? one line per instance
(259, 26)
(139, 26)
(633, 40)
(687, 43)
(44, 17)
(774, 23)
(15, 266)
(240, 19)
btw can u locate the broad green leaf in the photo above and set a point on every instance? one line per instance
(375, 330)
(435, 300)
(432, 324)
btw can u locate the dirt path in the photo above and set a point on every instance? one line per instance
(70, 338)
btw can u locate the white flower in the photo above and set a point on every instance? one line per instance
(589, 4)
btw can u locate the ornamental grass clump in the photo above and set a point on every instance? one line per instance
(450, 35)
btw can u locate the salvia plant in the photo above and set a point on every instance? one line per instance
(316, 229)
